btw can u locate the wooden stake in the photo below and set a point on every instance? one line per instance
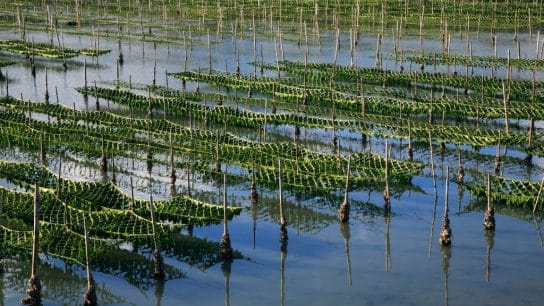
(85, 77)
(254, 196)
(283, 221)
(460, 170)
(89, 298)
(489, 216)
(172, 168)
(34, 285)
(158, 263)
(43, 157)
(498, 156)
(36, 232)
(410, 150)
(505, 98)
(132, 200)
(445, 232)
(46, 88)
(387, 192)
(103, 159)
(343, 212)
(535, 205)
(226, 249)
(7, 84)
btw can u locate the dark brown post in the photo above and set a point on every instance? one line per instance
(445, 232)
(226, 249)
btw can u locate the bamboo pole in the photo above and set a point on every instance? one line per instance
(283, 221)
(132, 200)
(445, 232)
(537, 200)
(34, 286)
(505, 98)
(97, 103)
(158, 263)
(89, 298)
(498, 156)
(36, 232)
(46, 88)
(43, 157)
(489, 216)
(460, 170)
(343, 212)
(172, 168)
(103, 159)
(226, 249)
(410, 150)
(387, 192)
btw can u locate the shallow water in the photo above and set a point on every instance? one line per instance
(374, 260)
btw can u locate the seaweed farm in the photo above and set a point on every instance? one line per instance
(259, 152)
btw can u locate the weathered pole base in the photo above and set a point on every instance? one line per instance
(89, 298)
(343, 212)
(445, 232)
(34, 292)
(489, 219)
(364, 139)
(158, 265)
(497, 165)
(226, 249)
(410, 154)
(173, 178)
(387, 201)
(460, 174)
(254, 196)
(103, 164)
(528, 159)
(283, 232)
(442, 148)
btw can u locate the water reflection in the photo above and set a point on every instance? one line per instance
(226, 269)
(305, 219)
(64, 285)
(283, 258)
(159, 291)
(387, 221)
(432, 225)
(254, 218)
(489, 243)
(538, 233)
(445, 250)
(345, 230)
